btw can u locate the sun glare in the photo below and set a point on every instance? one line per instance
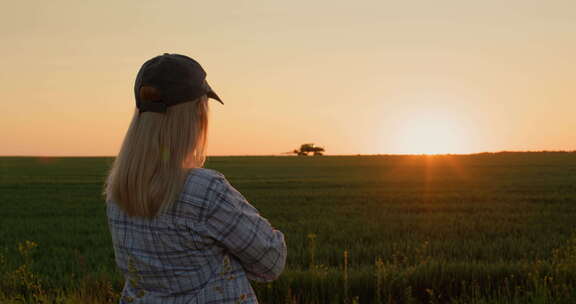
(430, 134)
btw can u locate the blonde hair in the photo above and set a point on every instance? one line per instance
(158, 151)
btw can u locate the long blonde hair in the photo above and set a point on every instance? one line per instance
(158, 151)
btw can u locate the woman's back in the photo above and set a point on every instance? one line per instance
(181, 233)
(203, 248)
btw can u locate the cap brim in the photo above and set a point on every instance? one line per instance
(212, 94)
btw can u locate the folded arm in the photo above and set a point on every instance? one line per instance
(237, 226)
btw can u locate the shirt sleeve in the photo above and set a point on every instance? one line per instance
(237, 226)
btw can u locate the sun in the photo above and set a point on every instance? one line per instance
(430, 133)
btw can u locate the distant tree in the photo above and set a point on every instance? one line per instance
(305, 149)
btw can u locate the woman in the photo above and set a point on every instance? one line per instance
(181, 233)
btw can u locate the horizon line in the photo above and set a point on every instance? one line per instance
(356, 154)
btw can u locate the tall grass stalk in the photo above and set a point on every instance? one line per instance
(346, 300)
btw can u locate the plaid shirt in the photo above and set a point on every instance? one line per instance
(202, 249)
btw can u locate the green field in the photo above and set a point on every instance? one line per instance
(485, 228)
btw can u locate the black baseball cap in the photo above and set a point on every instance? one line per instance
(178, 79)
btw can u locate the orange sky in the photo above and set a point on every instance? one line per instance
(358, 77)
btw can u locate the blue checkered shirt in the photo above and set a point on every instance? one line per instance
(202, 249)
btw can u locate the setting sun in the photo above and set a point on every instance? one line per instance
(431, 133)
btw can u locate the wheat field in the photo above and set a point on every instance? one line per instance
(484, 228)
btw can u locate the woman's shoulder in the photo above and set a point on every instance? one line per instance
(202, 183)
(203, 176)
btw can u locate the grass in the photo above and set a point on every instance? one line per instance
(485, 228)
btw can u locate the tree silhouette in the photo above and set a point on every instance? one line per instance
(305, 149)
